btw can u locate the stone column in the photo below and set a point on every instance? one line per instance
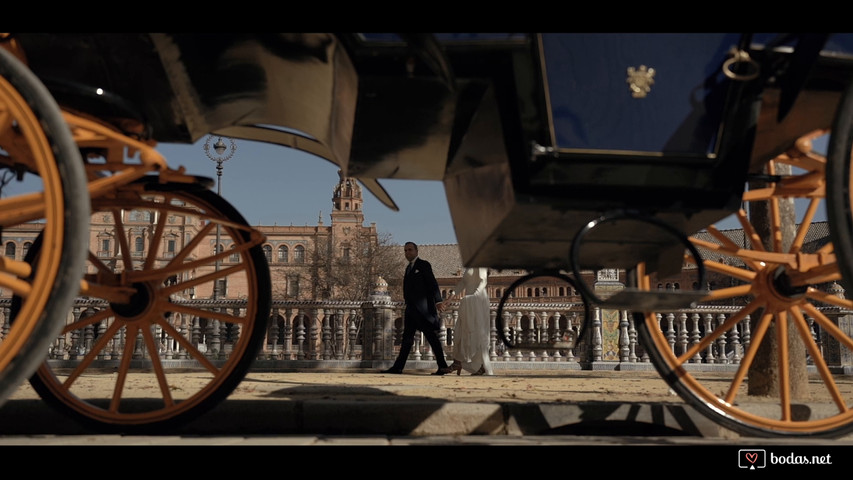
(378, 324)
(606, 284)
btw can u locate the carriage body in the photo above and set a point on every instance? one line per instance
(535, 137)
(532, 135)
(541, 134)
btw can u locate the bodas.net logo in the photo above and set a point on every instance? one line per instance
(751, 458)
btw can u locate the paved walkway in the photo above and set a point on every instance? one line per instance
(368, 407)
(416, 403)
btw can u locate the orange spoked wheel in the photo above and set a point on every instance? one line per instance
(839, 188)
(42, 186)
(156, 299)
(776, 307)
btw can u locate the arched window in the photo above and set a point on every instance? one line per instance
(299, 254)
(139, 244)
(235, 257)
(26, 249)
(10, 249)
(268, 253)
(282, 254)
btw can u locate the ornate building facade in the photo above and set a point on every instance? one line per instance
(291, 251)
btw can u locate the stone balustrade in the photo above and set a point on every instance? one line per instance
(365, 335)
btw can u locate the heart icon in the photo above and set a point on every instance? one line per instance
(752, 457)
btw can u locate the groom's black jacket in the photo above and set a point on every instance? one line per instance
(421, 293)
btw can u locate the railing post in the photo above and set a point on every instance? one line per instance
(4, 327)
(721, 341)
(352, 332)
(314, 332)
(695, 337)
(287, 340)
(709, 351)
(327, 337)
(493, 335)
(632, 340)
(223, 336)
(300, 334)
(593, 350)
(271, 344)
(624, 342)
(506, 331)
(340, 332)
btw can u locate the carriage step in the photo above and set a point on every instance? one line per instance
(652, 300)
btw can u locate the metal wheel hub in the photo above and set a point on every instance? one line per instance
(782, 287)
(139, 303)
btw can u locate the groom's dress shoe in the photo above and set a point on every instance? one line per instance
(391, 370)
(443, 371)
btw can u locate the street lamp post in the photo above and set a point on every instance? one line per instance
(219, 156)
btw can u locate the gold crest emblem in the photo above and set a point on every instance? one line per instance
(640, 80)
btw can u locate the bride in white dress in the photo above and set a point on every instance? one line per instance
(472, 334)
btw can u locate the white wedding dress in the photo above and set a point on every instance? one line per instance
(473, 331)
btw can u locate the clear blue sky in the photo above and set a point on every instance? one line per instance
(271, 184)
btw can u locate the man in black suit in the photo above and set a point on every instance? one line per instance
(423, 302)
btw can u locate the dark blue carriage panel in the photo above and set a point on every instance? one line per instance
(676, 103)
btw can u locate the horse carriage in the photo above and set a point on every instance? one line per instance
(559, 153)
